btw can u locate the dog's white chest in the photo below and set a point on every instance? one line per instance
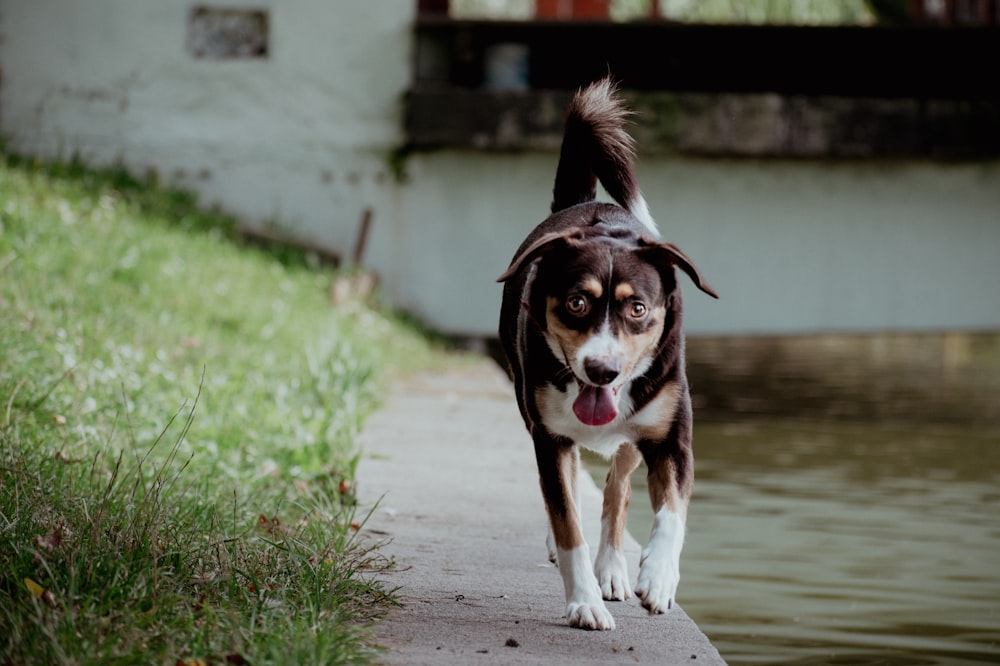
(652, 421)
(556, 408)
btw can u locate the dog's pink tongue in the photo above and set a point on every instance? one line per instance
(595, 406)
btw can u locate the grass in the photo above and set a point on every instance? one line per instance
(177, 434)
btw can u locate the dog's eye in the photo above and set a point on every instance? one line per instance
(638, 310)
(577, 305)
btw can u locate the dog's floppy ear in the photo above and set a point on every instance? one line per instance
(544, 245)
(668, 254)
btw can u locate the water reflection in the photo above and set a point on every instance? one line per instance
(824, 540)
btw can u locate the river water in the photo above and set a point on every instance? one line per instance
(847, 500)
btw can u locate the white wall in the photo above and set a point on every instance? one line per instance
(302, 138)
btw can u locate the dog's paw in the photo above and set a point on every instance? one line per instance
(612, 575)
(657, 585)
(589, 616)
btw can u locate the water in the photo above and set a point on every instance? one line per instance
(820, 538)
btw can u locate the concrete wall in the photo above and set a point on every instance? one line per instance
(790, 246)
(302, 137)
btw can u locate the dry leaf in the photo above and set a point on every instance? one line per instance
(39, 592)
(36, 590)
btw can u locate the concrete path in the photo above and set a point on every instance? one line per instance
(452, 469)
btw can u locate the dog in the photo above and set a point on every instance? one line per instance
(590, 323)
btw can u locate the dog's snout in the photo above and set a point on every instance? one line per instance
(601, 371)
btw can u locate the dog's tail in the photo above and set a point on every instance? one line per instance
(596, 147)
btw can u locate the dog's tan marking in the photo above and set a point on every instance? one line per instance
(566, 528)
(568, 339)
(624, 290)
(644, 344)
(593, 287)
(618, 492)
(663, 490)
(653, 421)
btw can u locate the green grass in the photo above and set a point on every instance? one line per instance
(177, 434)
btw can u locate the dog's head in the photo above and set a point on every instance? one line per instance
(603, 300)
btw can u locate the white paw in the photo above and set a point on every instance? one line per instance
(584, 607)
(612, 575)
(589, 616)
(657, 583)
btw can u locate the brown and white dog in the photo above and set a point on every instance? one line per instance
(591, 326)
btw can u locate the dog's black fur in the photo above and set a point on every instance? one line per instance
(591, 327)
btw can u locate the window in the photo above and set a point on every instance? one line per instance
(223, 34)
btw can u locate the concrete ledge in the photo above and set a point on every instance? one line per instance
(719, 124)
(453, 472)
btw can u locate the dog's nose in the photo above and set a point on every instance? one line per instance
(601, 371)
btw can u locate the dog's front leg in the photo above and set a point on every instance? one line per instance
(670, 482)
(558, 461)
(659, 566)
(611, 568)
